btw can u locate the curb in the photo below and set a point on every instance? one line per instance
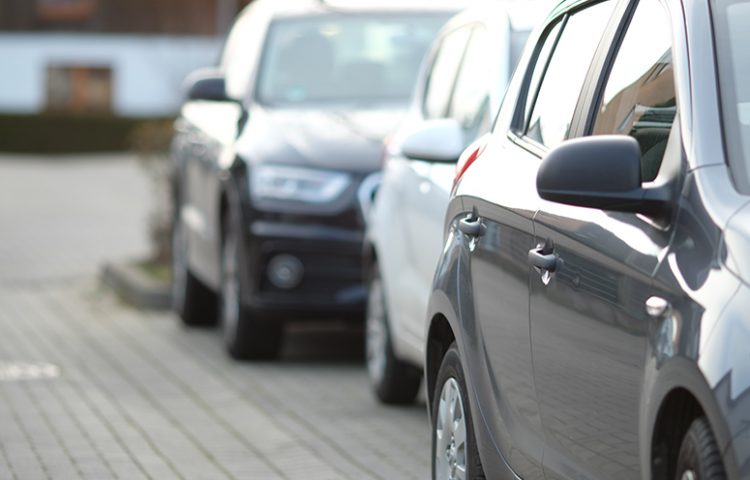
(135, 287)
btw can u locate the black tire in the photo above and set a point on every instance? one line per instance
(247, 335)
(699, 457)
(394, 381)
(193, 302)
(451, 372)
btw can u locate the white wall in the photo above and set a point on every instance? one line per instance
(147, 71)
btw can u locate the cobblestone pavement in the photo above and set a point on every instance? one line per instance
(92, 389)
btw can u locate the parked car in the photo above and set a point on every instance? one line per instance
(589, 315)
(457, 95)
(269, 153)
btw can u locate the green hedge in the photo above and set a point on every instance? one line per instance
(61, 133)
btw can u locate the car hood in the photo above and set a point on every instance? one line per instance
(737, 244)
(331, 138)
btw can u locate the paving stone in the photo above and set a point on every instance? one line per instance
(131, 395)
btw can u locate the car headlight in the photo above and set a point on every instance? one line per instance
(275, 182)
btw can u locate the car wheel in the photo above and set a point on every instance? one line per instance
(246, 335)
(394, 381)
(699, 457)
(454, 449)
(191, 300)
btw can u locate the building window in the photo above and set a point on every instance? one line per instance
(79, 89)
(65, 11)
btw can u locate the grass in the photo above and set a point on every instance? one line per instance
(160, 272)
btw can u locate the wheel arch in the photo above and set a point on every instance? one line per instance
(677, 411)
(223, 209)
(439, 339)
(679, 393)
(369, 258)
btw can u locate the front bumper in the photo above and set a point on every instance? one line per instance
(331, 285)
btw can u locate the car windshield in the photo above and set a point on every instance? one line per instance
(732, 31)
(335, 58)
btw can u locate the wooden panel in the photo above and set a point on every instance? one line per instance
(184, 17)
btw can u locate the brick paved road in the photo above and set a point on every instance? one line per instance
(92, 389)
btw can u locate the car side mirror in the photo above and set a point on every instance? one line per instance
(439, 140)
(601, 172)
(207, 84)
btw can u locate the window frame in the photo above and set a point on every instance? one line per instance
(476, 29)
(469, 28)
(601, 59)
(600, 83)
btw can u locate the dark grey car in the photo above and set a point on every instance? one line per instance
(590, 316)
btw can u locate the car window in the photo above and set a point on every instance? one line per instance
(540, 65)
(639, 98)
(561, 86)
(442, 76)
(732, 38)
(471, 98)
(343, 58)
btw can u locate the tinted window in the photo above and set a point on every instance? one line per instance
(443, 74)
(639, 99)
(561, 86)
(341, 58)
(732, 38)
(471, 97)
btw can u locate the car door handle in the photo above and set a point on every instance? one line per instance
(658, 307)
(543, 261)
(472, 226)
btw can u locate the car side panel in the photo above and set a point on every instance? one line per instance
(425, 202)
(452, 285)
(499, 188)
(207, 137)
(589, 327)
(702, 346)
(389, 230)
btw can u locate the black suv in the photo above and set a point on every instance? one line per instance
(269, 154)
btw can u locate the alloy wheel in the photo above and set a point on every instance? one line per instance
(376, 332)
(450, 434)
(230, 288)
(179, 264)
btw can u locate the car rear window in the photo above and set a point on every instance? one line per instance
(343, 58)
(732, 36)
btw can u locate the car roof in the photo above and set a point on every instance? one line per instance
(523, 15)
(294, 8)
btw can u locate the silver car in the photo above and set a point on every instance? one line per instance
(459, 90)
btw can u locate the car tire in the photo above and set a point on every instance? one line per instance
(454, 447)
(395, 382)
(193, 302)
(247, 335)
(699, 457)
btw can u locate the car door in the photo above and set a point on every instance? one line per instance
(415, 195)
(502, 181)
(588, 317)
(209, 128)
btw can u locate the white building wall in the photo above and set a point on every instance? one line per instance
(147, 71)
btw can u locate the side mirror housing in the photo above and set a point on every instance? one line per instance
(601, 172)
(440, 140)
(206, 85)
